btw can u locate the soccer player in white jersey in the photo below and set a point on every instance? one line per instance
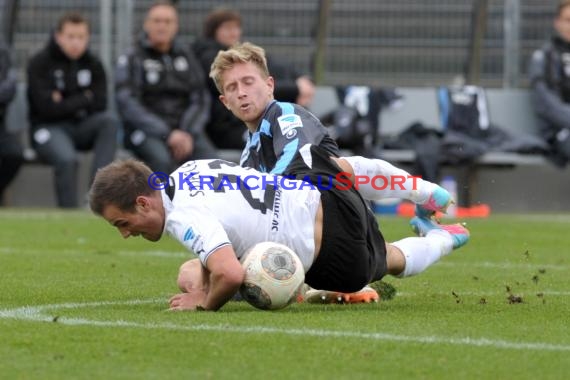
(276, 130)
(218, 210)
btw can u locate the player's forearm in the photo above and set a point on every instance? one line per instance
(223, 286)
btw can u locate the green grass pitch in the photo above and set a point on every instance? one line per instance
(78, 301)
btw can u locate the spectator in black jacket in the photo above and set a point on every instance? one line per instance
(223, 29)
(11, 156)
(549, 72)
(67, 94)
(162, 95)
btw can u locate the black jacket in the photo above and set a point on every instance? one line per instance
(7, 83)
(81, 82)
(157, 93)
(549, 72)
(225, 130)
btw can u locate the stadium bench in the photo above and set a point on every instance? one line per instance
(34, 186)
(508, 109)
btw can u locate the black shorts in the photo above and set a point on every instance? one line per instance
(353, 250)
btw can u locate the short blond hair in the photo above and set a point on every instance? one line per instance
(239, 53)
(561, 6)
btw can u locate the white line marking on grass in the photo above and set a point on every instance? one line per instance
(156, 253)
(38, 314)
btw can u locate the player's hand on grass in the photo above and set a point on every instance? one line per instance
(188, 301)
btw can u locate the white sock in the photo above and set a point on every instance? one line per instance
(387, 181)
(422, 252)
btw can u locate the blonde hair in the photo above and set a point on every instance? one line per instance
(239, 53)
(561, 6)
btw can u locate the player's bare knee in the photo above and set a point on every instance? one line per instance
(187, 275)
(395, 260)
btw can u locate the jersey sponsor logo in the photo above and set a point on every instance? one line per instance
(190, 176)
(152, 65)
(292, 133)
(288, 125)
(198, 245)
(152, 70)
(189, 234)
(276, 210)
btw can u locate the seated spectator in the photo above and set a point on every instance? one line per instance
(11, 155)
(550, 86)
(223, 29)
(67, 94)
(162, 96)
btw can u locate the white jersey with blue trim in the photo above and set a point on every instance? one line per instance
(213, 203)
(284, 128)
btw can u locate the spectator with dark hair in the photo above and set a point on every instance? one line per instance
(223, 29)
(11, 155)
(67, 94)
(162, 95)
(550, 86)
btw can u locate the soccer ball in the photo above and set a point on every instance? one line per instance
(273, 276)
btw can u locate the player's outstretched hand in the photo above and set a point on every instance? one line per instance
(187, 301)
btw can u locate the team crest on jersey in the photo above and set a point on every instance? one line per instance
(84, 78)
(289, 125)
(152, 70)
(152, 77)
(180, 64)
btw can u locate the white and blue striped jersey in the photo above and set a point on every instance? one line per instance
(284, 128)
